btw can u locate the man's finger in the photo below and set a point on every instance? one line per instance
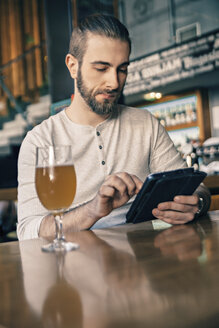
(125, 183)
(192, 199)
(173, 217)
(179, 207)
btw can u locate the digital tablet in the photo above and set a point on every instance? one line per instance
(162, 187)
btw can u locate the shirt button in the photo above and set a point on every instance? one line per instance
(100, 147)
(98, 133)
(103, 163)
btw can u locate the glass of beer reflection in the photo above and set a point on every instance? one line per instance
(55, 181)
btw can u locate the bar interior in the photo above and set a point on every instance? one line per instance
(149, 274)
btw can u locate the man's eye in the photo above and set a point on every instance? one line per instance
(123, 70)
(101, 69)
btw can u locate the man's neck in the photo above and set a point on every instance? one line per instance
(79, 112)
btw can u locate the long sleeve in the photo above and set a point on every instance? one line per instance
(30, 211)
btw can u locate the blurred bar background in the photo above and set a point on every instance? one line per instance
(174, 72)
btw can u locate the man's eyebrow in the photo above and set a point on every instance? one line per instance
(99, 62)
(125, 63)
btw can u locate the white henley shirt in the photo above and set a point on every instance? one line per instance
(132, 140)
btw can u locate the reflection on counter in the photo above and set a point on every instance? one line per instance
(139, 275)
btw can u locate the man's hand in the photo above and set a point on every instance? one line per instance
(179, 211)
(116, 190)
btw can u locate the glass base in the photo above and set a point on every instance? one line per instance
(60, 246)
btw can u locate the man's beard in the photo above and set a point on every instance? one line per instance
(106, 107)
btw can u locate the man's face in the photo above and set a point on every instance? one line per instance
(102, 73)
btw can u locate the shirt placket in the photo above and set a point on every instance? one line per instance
(101, 153)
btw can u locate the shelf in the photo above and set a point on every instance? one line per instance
(8, 194)
(181, 126)
(212, 181)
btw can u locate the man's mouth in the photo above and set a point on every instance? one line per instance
(107, 95)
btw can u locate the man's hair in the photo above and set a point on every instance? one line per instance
(99, 24)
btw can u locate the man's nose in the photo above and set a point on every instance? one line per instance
(112, 80)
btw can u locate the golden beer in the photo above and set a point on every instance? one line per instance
(56, 186)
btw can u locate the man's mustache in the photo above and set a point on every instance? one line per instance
(107, 91)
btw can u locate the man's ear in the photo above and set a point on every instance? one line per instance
(72, 64)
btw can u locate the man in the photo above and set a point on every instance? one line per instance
(115, 147)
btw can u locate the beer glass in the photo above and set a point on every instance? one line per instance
(55, 182)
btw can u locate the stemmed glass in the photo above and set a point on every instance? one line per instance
(55, 181)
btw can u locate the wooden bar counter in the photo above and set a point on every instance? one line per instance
(144, 275)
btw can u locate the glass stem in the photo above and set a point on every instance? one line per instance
(59, 230)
